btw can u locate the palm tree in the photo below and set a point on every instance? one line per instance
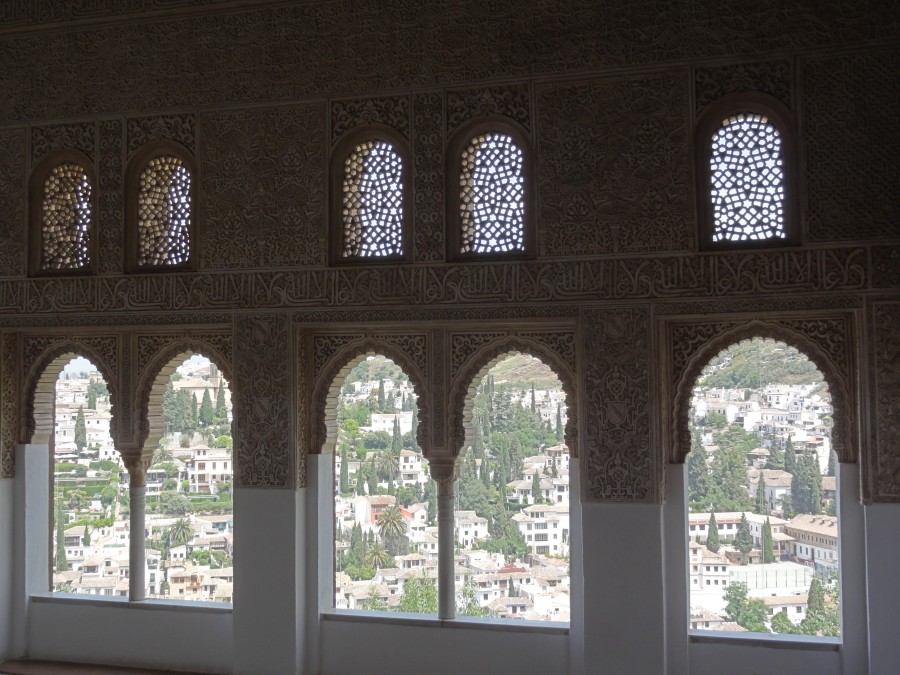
(180, 532)
(377, 555)
(389, 463)
(391, 523)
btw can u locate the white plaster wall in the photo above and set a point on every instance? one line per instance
(388, 649)
(178, 638)
(883, 554)
(624, 608)
(269, 587)
(6, 566)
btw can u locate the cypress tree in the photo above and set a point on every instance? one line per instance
(761, 505)
(790, 457)
(381, 394)
(536, 488)
(345, 472)
(698, 470)
(533, 402)
(743, 540)
(62, 564)
(560, 433)
(221, 410)
(712, 534)
(415, 424)
(477, 441)
(396, 439)
(80, 430)
(91, 399)
(206, 409)
(195, 412)
(832, 463)
(767, 544)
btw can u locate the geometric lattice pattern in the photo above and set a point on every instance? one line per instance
(164, 213)
(66, 218)
(492, 196)
(372, 207)
(747, 180)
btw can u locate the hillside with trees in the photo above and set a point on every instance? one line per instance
(752, 364)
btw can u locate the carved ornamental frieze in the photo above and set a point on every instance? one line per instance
(640, 278)
(390, 111)
(769, 77)
(618, 464)
(12, 205)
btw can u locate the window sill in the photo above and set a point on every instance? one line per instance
(469, 622)
(188, 606)
(806, 642)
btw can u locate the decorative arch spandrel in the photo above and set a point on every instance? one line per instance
(828, 341)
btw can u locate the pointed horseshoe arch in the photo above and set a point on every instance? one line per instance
(837, 377)
(327, 389)
(153, 381)
(40, 389)
(462, 395)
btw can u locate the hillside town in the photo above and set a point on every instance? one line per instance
(512, 517)
(763, 532)
(189, 526)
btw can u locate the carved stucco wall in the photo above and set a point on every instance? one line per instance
(883, 461)
(609, 93)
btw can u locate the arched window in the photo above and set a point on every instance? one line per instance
(370, 198)
(764, 544)
(745, 157)
(491, 179)
(161, 195)
(62, 214)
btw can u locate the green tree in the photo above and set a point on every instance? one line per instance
(221, 413)
(467, 601)
(378, 556)
(712, 535)
(743, 540)
(345, 472)
(822, 613)
(373, 601)
(782, 624)
(396, 438)
(790, 456)
(698, 472)
(560, 432)
(806, 486)
(206, 414)
(728, 487)
(767, 544)
(419, 596)
(91, 400)
(536, 488)
(62, 563)
(195, 412)
(392, 527)
(760, 504)
(180, 532)
(415, 424)
(80, 430)
(381, 394)
(746, 612)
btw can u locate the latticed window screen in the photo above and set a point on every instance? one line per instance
(747, 180)
(492, 196)
(372, 205)
(66, 218)
(164, 213)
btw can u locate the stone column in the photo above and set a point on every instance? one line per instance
(444, 472)
(136, 544)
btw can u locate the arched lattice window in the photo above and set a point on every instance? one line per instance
(745, 164)
(62, 208)
(491, 181)
(370, 175)
(161, 187)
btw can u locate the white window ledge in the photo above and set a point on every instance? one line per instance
(468, 622)
(805, 642)
(119, 602)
